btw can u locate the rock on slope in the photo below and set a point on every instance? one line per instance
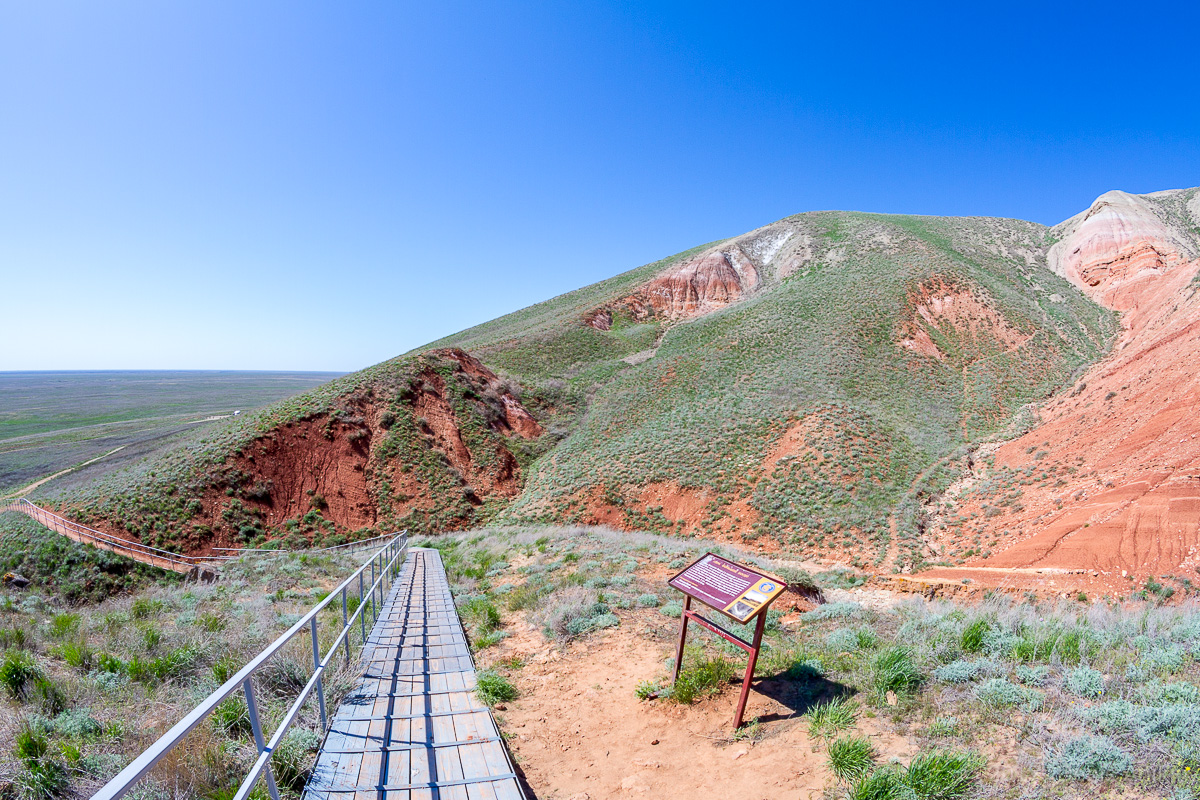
(1116, 460)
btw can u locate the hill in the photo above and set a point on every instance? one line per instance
(1107, 486)
(807, 386)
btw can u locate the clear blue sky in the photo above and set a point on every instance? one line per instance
(303, 185)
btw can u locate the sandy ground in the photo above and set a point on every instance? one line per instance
(578, 731)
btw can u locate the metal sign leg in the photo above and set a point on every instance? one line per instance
(741, 707)
(683, 625)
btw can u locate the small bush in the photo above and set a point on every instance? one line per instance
(1033, 676)
(882, 784)
(17, 671)
(974, 636)
(957, 672)
(63, 625)
(998, 693)
(15, 637)
(144, 608)
(832, 611)
(943, 775)
(491, 687)
(225, 667)
(648, 600)
(44, 779)
(671, 609)
(648, 689)
(851, 758)
(31, 744)
(231, 717)
(1088, 757)
(47, 694)
(895, 671)
(151, 638)
(77, 654)
(842, 640)
(293, 760)
(1156, 693)
(211, 623)
(1085, 682)
(76, 724)
(1162, 659)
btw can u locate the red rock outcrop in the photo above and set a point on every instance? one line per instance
(1115, 247)
(1123, 445)
(939, 304)
(695, 287)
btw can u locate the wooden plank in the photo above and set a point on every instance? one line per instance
(417, 677)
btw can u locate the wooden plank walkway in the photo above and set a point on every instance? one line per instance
(413, 727)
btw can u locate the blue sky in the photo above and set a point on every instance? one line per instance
(323, 186)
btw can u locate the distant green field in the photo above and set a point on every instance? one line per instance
(51, 421)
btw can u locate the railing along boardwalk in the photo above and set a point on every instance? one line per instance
(413, 728)
(383, 567)
(154, 556)
(135, 550)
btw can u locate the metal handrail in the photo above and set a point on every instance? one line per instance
(383, 567)
(108, 541)
(175, 561)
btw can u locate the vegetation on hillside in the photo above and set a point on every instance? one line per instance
(823, 352)
(819, 346)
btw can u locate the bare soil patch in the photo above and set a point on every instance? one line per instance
(579, 730)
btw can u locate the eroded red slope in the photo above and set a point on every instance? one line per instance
(1123, 445)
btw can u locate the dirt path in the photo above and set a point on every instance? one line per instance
(36, 484)
(578, 730)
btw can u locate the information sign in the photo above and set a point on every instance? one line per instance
(734, 590)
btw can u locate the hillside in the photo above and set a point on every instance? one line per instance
(807, 386)
(1107, 485)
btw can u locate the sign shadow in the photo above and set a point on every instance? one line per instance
(798, 688)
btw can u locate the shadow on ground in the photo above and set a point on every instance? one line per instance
(798, 688)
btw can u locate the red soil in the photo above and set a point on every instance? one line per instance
(1125, 441)
(330, 462)
(697, 286)
(938, 304)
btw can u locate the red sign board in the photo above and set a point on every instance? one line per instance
(733, 589)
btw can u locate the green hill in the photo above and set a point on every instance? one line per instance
(803, 385)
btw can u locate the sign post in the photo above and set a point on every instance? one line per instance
(737, 591)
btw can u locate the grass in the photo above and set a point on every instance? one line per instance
(701, 676)
(829, 719)
(851, 758)
(896, 671)
(493, 688)
(82, 678)
(54, 421)
(964, 677)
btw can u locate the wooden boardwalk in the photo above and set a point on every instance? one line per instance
(413, 727)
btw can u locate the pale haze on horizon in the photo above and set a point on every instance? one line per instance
(298, 187)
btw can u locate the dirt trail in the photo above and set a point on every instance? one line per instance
(578, 731)
(26, 490)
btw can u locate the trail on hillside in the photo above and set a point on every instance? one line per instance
(26, 490)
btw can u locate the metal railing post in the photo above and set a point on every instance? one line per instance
(362, 612)
(259, 742)
(346, 626)
(317, 668)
